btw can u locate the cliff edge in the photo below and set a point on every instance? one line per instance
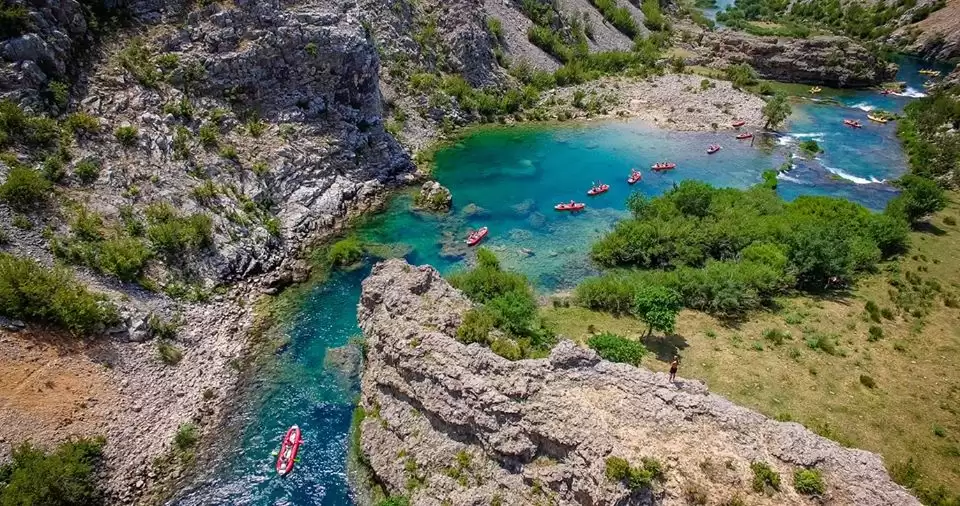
(448, 423)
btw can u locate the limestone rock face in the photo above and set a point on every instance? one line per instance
(828, 60)
(449, 423)
(434, 197)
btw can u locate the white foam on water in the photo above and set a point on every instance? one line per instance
(784, 177)
(911, 92)
(852, 178)
(863, 106)
(787, 139)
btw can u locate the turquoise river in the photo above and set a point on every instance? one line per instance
(509, 179)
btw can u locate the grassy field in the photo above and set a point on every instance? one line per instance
(814, 361)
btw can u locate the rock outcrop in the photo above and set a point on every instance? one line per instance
(449, 423)
(433, 196)
(826, 60)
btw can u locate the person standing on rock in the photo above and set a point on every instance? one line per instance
(673, 367)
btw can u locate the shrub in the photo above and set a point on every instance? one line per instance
(873, 310)
(168, 352)
(187, 437)
(229, 152)
(949, 220)
(22, 222)
(123, 257)
(162, 329)
(617, 16)
(876, 334)
(24, 188)
(208, 135)
(476, 326)
(81, 122)
(617, 348)
(808, 481)
(31, 291)
(14, 20)
(18, 126)
(823, 342)
(64, 477)
(775, 336)
(764, 476)
(653, 18)
(137, 58)
(495, 28)
(345, 252)
(127, 135)
(919, 198)
(87, 171)
(867, 381)
(173, 234)
(255, 127)
(939, 431)
(741, 75)
(506, 348)
(810, 146)
(617, 468)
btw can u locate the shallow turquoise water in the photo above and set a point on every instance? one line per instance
(514, 177)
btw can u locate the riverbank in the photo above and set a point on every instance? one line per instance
(680, 102)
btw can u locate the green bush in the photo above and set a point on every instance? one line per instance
(345, 252)
(81, 122)
(617, 16)
(31, 291)
(18, 126)
(65, 477)
(808, 481)
(173, 234)
(169, 353)
(508, 304)
(653, 17)
(810, 146)
(123, 257)
(24, 188)
(867, 381)
(137, 58)
(617, 469)
(87, 171)
(776, 336)
(617, 348)
(875, 333)
(919, 198)
(741, 75)
(506, 348)
(764, 476)
(209, 135)
(187, 437)
(127, 135)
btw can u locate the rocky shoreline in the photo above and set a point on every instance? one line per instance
(680, 102)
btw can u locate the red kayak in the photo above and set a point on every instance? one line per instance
(597, 190)
(886, 92)
(288, 451)
(474, 238)
(571, 206)
(663, 166)
(713, 149)
(738, 124)
(746, 135)
(634, 177)
(852, 123)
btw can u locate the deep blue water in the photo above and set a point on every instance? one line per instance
(510, 179)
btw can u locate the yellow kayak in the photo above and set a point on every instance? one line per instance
(878, 119)
(816, 89)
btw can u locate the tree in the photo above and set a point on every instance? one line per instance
(776, 111)
(658, 306)
(920, 197)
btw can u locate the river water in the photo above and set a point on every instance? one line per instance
(508, 179)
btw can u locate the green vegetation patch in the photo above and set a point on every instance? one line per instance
(809, 482)
(64, 477)
(507, 304)
(34, 292)
(728, 251)
(616, 348)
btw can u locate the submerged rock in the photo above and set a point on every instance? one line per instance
(434, 197)
(474, 428)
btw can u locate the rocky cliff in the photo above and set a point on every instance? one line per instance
(454, 424)
(265, 116)
(826, 60)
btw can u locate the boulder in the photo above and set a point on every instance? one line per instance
(434, 197)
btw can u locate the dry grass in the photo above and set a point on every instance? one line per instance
(911, 412)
